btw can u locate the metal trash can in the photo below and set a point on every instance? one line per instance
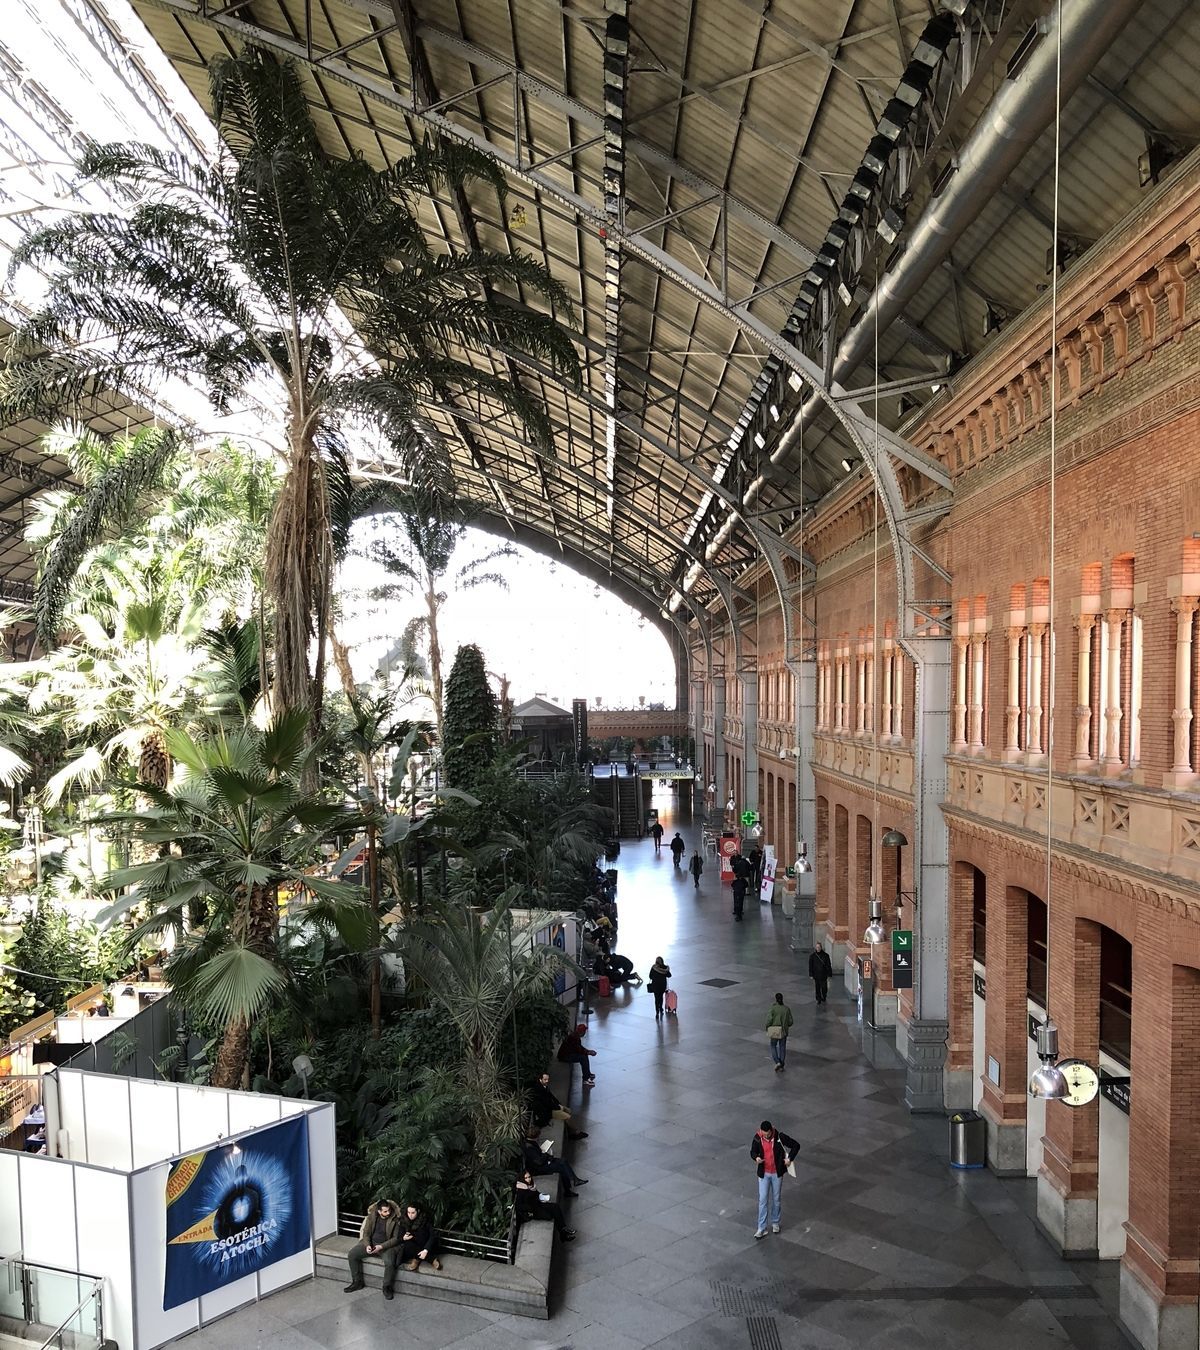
(968, 1139)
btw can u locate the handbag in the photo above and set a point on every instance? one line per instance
(775, 1033)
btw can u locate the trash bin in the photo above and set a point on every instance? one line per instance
(968, 1139)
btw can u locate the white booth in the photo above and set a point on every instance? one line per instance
(187, 1202)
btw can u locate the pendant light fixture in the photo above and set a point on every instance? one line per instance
(874, 933)
(1048, 1082)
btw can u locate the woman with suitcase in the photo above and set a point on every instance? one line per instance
(660, 973)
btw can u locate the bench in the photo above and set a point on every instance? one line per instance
(521, 1287)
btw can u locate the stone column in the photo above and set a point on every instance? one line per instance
(1083, 694)
(925, 1037)
(1006, 1040)
(1160, 1271)
(1112, 695)
(839, 691)
(1033, 737)
(749, 682)
(1012, 713)
(1068, 1182)
(898, 694)
(959, 739)
(718, 733)
(803, 916)
(1182, 772)
(978, 666)
(869, 683)
(860, 689)
(888, 662)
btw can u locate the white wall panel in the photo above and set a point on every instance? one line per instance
(203, 1116)
(1112, 1193)
(322, 1168)
(149, 1212)
(234, 1295)
(249, 1112)
(10, 1205)
(106, 1107)
(979, 1038)
(47, 1211)
(288, 1271)
(154, 1113)
(70, 1111)
(102, 1202)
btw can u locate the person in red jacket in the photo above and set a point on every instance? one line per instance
(573, 1051)
(773, 1151)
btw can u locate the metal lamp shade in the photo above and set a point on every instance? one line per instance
(1048, 1083)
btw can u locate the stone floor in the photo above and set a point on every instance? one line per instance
(883, 1244)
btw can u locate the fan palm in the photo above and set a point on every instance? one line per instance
(248, 268)
(233, 832)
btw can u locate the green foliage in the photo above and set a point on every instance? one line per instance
(537, 1025)
(16, 1002)
(67, 953)
(472, 714)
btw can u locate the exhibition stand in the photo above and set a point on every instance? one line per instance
(186, 1202)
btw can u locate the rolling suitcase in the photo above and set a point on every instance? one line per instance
(604, 986)
(672, 1002)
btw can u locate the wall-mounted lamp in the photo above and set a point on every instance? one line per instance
(848, 464)
(1048, 1081)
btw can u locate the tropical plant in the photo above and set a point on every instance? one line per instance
(431, 527)
(470, 729)
(233, 833)
(479, 968)
(248, 268)
(130, 672)
(60, 954)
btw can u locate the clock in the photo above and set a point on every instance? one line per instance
(1083, 1082)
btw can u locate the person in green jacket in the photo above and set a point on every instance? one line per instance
(779, 1020)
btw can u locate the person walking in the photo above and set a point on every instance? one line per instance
(696, 866)
(820, 969)
(573, 1051)
(773, 1151)
(756, 860)
(738, 887)
(779, 1020)
(660, 973)
(678, 847)
(656, 833)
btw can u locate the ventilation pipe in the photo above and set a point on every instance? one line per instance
(1012, 122)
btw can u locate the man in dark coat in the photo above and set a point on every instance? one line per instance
(820, 969)
(738, 887)
(656, 833)
(677, 848)
(773, 1151)
(756, 867)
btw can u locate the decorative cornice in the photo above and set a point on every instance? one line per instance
(1099, 870)
(898, 801)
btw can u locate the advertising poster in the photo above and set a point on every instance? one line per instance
(766, 890)
(236, 1209)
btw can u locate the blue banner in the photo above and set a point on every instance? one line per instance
(236, 1209)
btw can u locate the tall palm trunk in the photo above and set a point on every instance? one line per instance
(294, 571)
(432, 608)
(233, 1056)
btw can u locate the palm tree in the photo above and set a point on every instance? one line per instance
(479, 969)
(150, 492)
(130, 672)
(432, 528)
(248, 268)
(233, 832)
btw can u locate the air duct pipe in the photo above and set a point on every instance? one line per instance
(1012, 122)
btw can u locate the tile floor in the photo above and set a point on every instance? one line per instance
(883, 1244)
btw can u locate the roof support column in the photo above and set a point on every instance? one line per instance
(803, 667)
(748, 675)
(717, 679)
(928, 1087)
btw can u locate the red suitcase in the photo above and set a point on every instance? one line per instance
(604, 986)
(672, 1001)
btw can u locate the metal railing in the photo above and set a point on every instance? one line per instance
(44, 1306)
(502, 1250)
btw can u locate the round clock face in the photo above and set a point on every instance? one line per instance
(1083, 1082)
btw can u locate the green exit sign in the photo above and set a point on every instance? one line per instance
(902, 939)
